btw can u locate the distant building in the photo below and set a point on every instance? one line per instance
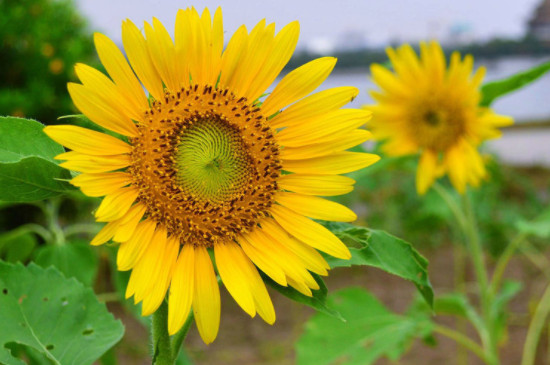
(539, 25)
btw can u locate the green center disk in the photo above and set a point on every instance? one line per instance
(212, 162)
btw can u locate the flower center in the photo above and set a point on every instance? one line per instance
(211, 159)
(206, 164)
(438, 124)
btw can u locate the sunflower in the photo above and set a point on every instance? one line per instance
(205, 169)
(425, 107)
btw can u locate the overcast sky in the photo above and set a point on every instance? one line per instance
(380, 20)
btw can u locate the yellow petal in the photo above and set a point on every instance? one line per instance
(235, 51)
(320, 130)
(297, 84)
(93, 164)
(181, 289)
(314, 105)
(91, 103)
(163, 53)
(454, 161)
(387, 80)
(129, 223)
(119, 70)
(102, 183)
(259, 49)
(206, 297)
(300, 286)
(115, 205)
(111, 94)
(163, 268)
(106, 233)
(337, 163)
(426, 171)
(310, 232)
(312, 260)
(140, 59)
(315, 207)
(282, 257)
(324, 185)
(342, 143)
(86, 140)
(283, 47)
(231, 266)
(132, 250)
(264, 262)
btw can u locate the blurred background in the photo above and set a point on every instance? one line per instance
(41, 40)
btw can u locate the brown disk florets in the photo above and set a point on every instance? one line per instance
(206, 164)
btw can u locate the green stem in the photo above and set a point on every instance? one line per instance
(460, 286)
(37, 229)
(91, 229)
(503, 261)
(179, 337)
(478, 260)
(108, 297)
(451, 203)
(161, 339)
(474, 245)
(51, 211)
(464, 341)
(535, 329)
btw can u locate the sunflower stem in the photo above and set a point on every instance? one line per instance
(474, 245)
(162, 352)
(535, 329)
(178, 338)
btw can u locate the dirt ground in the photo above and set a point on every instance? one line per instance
(242, 340)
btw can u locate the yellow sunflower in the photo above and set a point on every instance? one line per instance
(204, 167)
(425, 107)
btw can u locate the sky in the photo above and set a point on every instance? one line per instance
(322, 21)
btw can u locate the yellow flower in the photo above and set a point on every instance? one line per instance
(425, 107)
(204, 166)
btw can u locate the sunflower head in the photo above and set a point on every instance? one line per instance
(430, 107)
(205, 170)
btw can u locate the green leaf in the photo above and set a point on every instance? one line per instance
(17, 245)
(58, 317)
(384, 251)
(28, 171)
(493, 90)
(76, 260)
(317, 301)
(539, 227)
(371, 332)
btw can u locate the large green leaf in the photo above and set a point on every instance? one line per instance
(317, 301)
(76, 260)
(371, 332)
(493, 90)
(28, 171)
(55, 316)
(382, 250)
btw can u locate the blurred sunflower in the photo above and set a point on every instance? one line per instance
(425, 107)
(203, 165)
